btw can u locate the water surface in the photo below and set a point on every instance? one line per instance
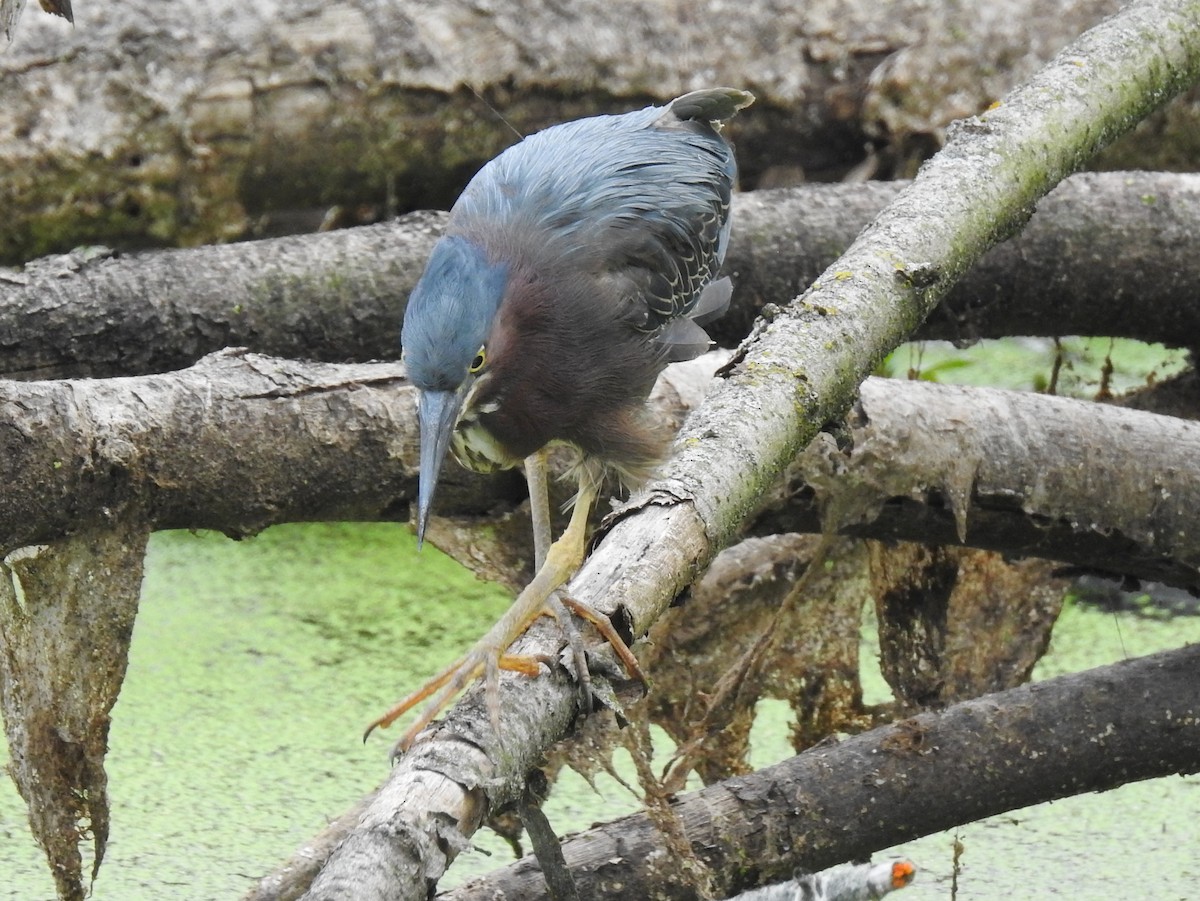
(256, 665)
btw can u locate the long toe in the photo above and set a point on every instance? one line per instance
(488, 656)
(605, 627)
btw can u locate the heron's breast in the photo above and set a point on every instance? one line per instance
(477, 449)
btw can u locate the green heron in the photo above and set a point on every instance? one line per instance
(575, 266)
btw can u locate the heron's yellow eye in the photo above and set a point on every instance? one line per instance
(479, 361)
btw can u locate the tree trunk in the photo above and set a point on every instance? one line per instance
(189, 123)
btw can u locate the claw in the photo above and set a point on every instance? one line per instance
(605, 627)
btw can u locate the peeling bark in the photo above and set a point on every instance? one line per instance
(66, 618)
(812, 664)
(957, 623)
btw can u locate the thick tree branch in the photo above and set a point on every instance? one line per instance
(185, 450)
(1098, 486)
(236, 443)
(193, 449)
(800, 371)
(1084, 732)
(333, 296)
(1104, 254)
(812, 663)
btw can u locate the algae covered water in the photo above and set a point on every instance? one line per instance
(256, 664)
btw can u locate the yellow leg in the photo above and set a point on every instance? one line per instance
(537, 476)
(539, 504)
(487, 657)
(566, 554)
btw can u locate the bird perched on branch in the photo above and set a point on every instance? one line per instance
(575, 266)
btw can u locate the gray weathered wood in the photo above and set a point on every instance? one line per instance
(1084, 732)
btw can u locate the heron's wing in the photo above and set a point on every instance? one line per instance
(638, 201)
(683, 338)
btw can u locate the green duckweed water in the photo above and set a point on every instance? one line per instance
(256, 664)
(1025, 364)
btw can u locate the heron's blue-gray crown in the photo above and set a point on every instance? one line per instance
(450, 313)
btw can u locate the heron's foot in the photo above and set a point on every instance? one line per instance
(484, 659)
(487, 659)
(605, 627)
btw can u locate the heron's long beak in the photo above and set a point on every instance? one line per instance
(437, 412)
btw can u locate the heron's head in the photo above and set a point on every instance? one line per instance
(449, 317)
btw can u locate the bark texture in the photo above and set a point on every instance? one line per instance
(1111, 498)
(236, 443)
(1103, 254)
(1089, 731)
(209, 447)
(335, 297)
(188, 123)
